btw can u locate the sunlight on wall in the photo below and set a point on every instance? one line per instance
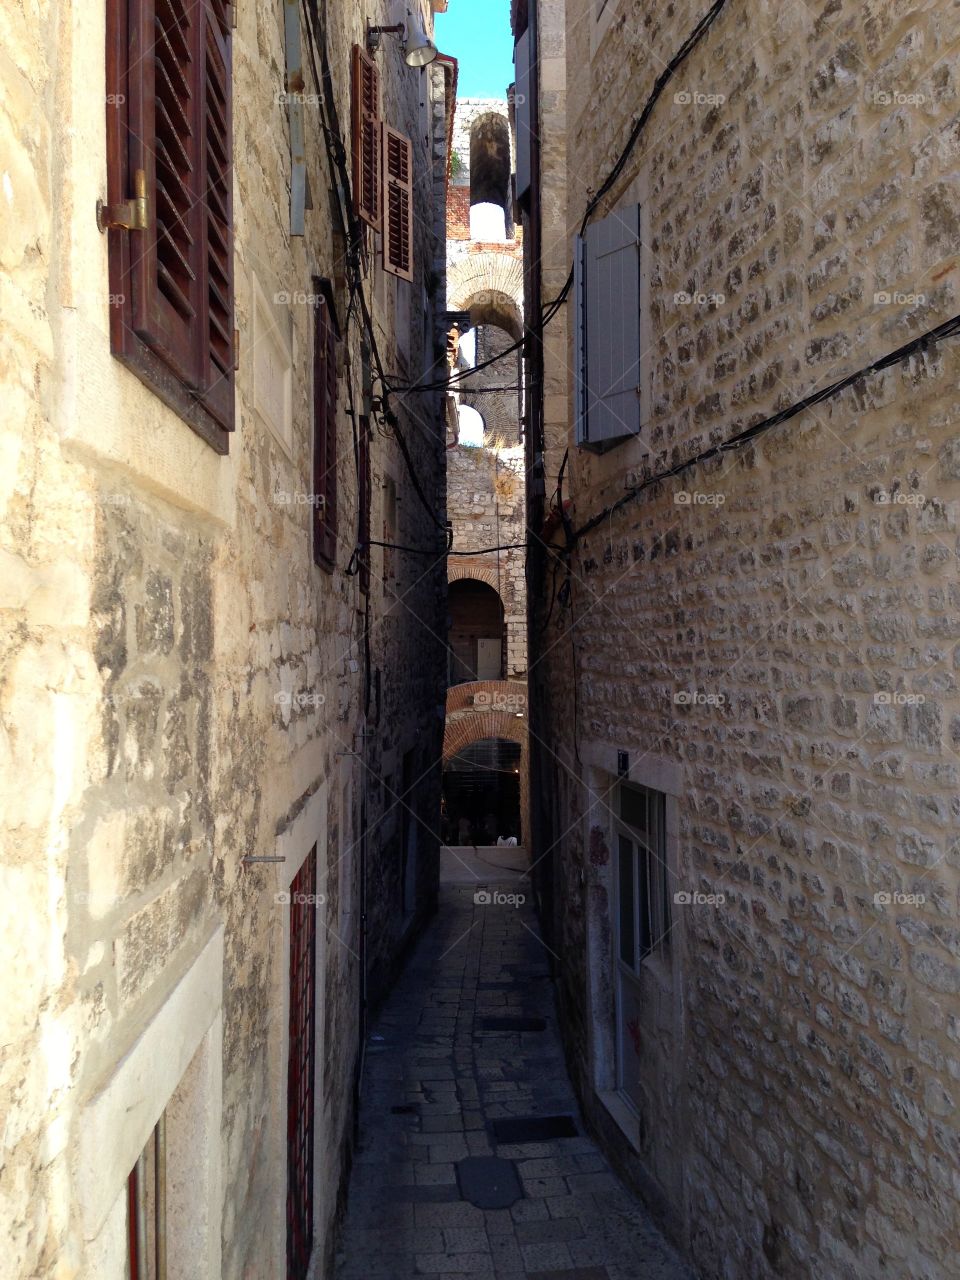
(471, 427)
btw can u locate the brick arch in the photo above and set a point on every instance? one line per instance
(464, 730)
(461, 697)
(457, 571)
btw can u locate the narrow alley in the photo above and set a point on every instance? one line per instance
(480, 639)
(444, 1068)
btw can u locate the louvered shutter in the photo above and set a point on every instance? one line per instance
(164, 139)
(523, 113)
(169, 115)
(218, 383)
(324, 435)
(398, 202)
(367, 163)
(610, 328)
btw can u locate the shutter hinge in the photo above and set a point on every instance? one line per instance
(232, 16)
(236, 350)
(128, 215)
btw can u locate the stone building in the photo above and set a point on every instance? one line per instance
(221, 698)
(743, 459)
(486, 490)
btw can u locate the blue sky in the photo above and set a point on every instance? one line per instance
(479, 37)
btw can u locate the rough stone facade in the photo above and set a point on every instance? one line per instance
(181, 687)
(770, 636)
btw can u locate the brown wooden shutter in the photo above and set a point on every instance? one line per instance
(165, 141)
(168, 92)
(218, 384)
(398, 202)
(365, 112)
(324, 434)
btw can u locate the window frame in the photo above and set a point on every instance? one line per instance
(651, 879)
(196, 394)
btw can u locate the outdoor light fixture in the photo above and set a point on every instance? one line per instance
(418, 49)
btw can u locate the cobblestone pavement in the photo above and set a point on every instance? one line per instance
(434, 1081)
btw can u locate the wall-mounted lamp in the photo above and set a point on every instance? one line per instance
(418, 49)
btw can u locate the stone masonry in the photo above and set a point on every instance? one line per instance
(771, 637)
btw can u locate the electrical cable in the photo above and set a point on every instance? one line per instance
(445, 551)
(337, 157)
(667, 74)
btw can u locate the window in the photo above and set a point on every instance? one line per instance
(398, 199)
(365, 113)
(169, 214)
(382, 169)
(607, 329)
(301, 1067)
(523, 113)
(643, 887)
(147, 1209)
(324, 497)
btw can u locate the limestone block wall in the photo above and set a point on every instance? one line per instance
(772, 636)
(485, 501)
(181, 687)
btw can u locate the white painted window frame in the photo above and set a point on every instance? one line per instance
(184, 1036)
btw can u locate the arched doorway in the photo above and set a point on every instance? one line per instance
(475, 642)
(481, 792)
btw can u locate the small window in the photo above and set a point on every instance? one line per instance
(643, 880)
(324, 497)
(147, 1210)
(169, 207)
(607, 372)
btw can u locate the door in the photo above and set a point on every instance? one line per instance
(301, 1067)
(488, 659)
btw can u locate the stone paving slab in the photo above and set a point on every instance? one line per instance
(434, 1083)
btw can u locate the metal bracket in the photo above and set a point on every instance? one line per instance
(255, 857)
(127, 215)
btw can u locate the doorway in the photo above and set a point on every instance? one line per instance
(481, 793)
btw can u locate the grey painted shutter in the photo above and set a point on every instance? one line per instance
(612, 302)
(523, 113)
(580, 342)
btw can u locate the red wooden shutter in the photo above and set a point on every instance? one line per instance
(365, 494)
(398, 200)
(324, 434)
(365, 111)
(218, 217)
(164, 140)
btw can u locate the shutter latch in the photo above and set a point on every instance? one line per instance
(128, 215)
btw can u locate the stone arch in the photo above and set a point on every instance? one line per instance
(490, 158)
(489, 285)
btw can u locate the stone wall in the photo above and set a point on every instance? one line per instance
(771, 637)
(180, 686)
(485, 501)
